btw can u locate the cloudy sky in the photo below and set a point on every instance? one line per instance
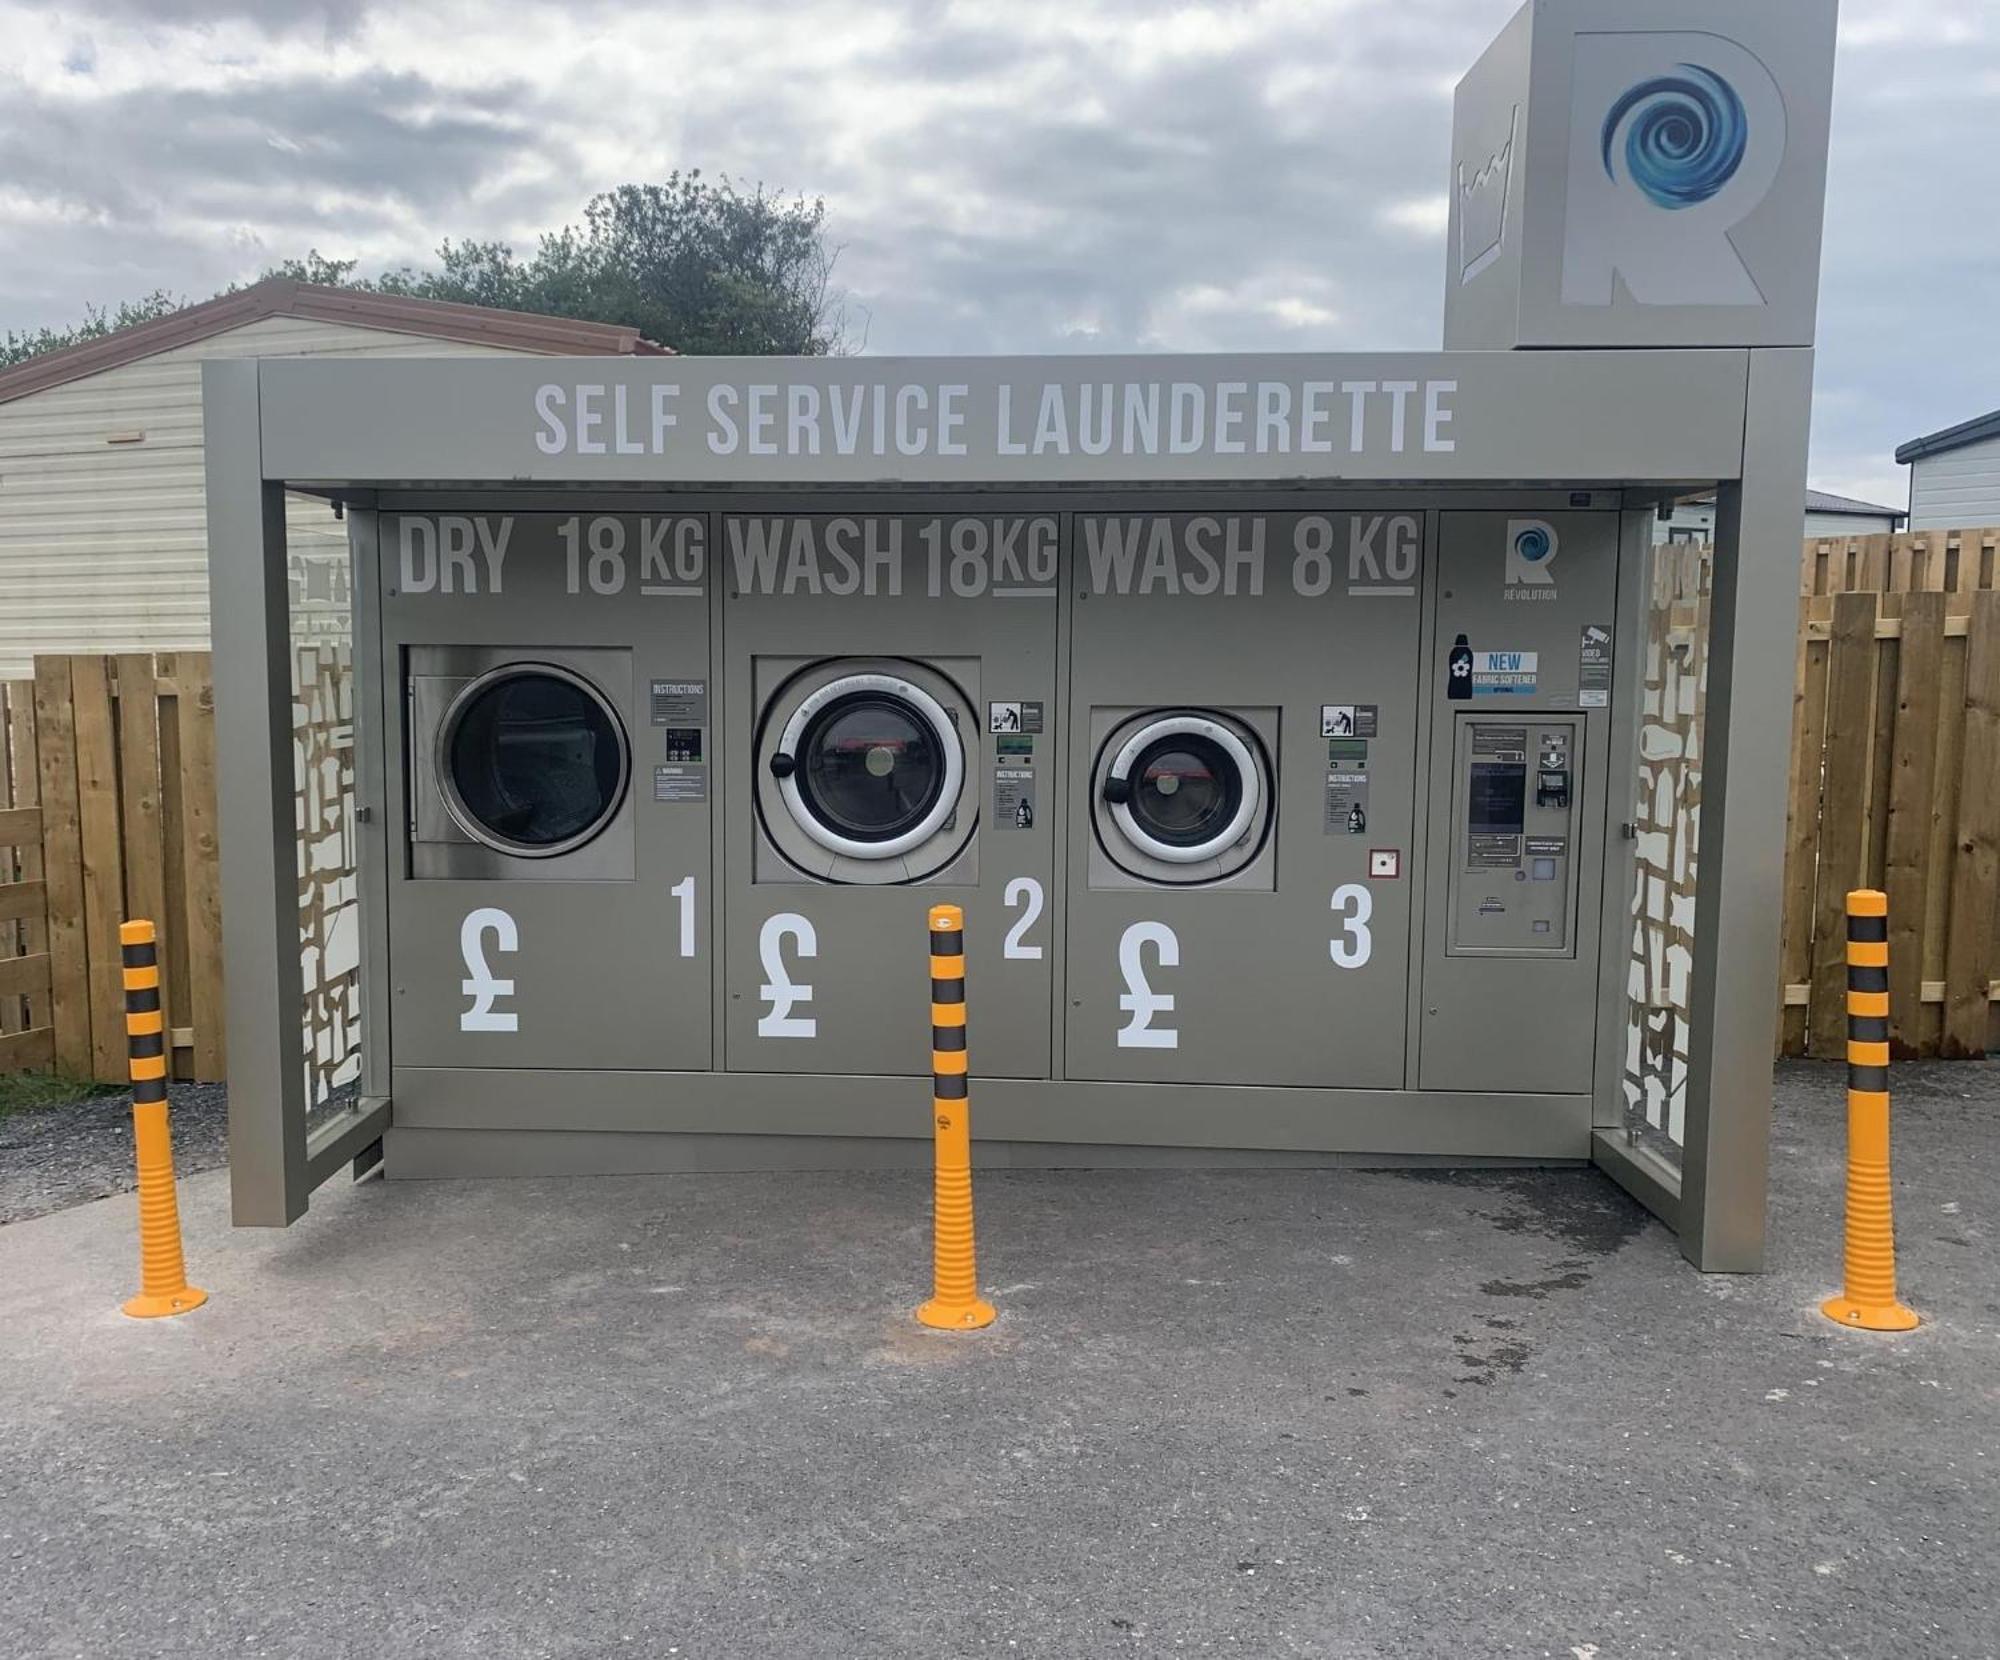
(1035, 175)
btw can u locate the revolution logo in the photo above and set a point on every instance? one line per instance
(1531, 550)
(1675, 139)
(1683, 136)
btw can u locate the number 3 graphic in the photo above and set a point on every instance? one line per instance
(1354, 905)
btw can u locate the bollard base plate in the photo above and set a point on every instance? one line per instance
(143, 1307)
(955, 1316)
(1844, 1311)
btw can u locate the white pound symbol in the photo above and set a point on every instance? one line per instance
(779, 990)
(1139, 1000)
(479, 983)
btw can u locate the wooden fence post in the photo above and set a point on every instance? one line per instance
(62, 856)
(1975, 871)
(1912, 765)
(200, 853)
(1850, 725)
(103, 859)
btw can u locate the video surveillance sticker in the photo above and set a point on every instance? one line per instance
(1593, 667)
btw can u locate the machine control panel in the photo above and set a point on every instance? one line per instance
(1513, 869)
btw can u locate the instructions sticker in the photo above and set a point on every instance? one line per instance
(1013, 798)
(1346, 786)
(680, 783)
(1593, 667)
(1346, 803)
(679, 702)
(1013, 717)
(1504, 673)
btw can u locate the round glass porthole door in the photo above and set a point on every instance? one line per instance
(532, 760)
(1183, 791)
(869, 766)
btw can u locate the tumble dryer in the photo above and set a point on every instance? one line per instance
(889, 677)
(550, 718)
(520, 762)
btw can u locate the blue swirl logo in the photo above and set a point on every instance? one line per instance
(1533, 545)
(1684, 136)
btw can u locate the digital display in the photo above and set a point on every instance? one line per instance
(1499, 798)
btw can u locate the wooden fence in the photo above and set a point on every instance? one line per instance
(1896, 785)
(107, 811)
(109, 783)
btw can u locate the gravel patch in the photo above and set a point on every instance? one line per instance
(62, 1154)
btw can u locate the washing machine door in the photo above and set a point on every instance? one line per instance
(868, 765)
(532, 761)
(1182, 796)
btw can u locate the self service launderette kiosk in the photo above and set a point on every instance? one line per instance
(1273, 718)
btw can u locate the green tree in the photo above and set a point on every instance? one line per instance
(704, 268)
(97, 322)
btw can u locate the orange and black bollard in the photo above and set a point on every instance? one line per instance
(955, 1304)
(1868, 1298)
(163, 1286)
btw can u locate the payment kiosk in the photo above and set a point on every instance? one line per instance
(1275, 719)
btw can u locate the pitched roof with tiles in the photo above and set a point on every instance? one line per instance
(520, 331)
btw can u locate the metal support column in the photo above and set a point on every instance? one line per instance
(1739, 904)
(250, 625)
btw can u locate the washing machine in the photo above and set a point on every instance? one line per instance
(890, 678)
(1242, 772)
(1182, 797)
(861, 769)
(550, 759)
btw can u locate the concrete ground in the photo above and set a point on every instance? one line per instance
(1300, 1413)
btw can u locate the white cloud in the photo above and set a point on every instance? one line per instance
(1424, 216)
(1044, 176)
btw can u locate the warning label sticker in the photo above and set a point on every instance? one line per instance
(680, 783)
